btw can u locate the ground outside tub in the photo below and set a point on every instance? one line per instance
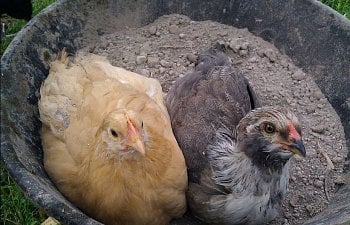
(313, 35)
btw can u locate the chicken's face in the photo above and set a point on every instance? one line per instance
(122, 136)
(270, 137)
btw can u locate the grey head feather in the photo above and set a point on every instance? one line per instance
(211, 58)
(255, 197)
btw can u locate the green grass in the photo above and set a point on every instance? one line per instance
(16, 209)
(16, 24)
(342, 6)
(12, 28)
(39, 5)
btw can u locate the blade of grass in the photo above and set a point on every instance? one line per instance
(15, 207)
(341, 6)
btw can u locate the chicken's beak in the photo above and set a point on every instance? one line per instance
(133, 139)
(139, 146)
(296, 147)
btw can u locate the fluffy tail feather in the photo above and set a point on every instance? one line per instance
(214, 56)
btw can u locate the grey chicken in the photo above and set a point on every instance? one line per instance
(236, 151)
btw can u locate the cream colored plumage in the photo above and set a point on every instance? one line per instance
(108, 144)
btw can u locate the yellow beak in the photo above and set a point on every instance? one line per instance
(134, 139)
(296, 147)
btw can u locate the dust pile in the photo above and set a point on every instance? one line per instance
(168, 48)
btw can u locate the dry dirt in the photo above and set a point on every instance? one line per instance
(168, 48)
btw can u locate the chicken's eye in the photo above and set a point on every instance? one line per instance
(114, 133)
(269, 128)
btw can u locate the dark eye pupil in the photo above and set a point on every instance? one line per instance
(269, 128)
(114, 133)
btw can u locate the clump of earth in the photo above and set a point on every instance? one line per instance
(168, 48)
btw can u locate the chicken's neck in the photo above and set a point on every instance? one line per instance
(257, 150)
(236, 171)
(252, 188)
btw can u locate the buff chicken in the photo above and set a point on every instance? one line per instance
(108, 143)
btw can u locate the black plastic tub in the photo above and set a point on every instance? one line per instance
(316, 38)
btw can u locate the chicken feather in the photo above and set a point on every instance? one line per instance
(91, 112)
(237, 152)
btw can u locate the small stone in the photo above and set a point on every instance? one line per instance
(243, 52)
(296, 215)
(271, 55)
(222, 43)
(235, 44)
(140, 59)
(310, 109)
(318, 183)
(284, 63)
(153, 61)
(310, 209)
(157, 33)
(288, 215)
(298, 158)
(103, 46)
(162, 70)
(320, 129)
(261, 53)
(323, 100)
(339, 180)
(173, 29)
(301, 102)
(244, 45)
(182, 35)
(294, 201)
(92, 49)
(223, 33)
(252, 60)
(165, 63)
(142, 53)
(144, 72)
(320, 106)
(286, 222)
(181, 68)
(318, 95)
(305, 181)
(337, 159)
(298, 75)
(152, 30)
(191, 57)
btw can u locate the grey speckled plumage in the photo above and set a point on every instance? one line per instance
(236, 152)
(214, 95)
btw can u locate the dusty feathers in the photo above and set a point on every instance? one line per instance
(236, 152)
(108, 144)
